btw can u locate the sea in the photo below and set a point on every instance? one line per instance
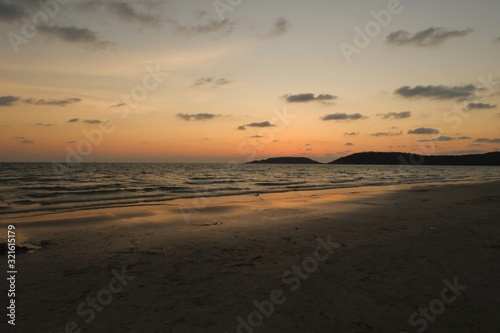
(29, 189)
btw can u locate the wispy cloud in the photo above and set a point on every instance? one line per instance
(73, 120)
(486, 140)
(44, 124)
(93, 121)
(440, 92)
(197, 116)
(442, 138)
(54, 102)
(126, 12)
(280, 27)
(480, 106)
(309, 97)
(261, 124)
(349, 144)
(343, 116)
(24, 140)
(212, 81)
(9, 100)
(395, 115)
(73, 34)
(424, 130)
(425, 38)
(464, 138)
(351, 133)
(377, 134)
(225, 26)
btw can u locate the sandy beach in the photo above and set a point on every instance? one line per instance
(403, 259)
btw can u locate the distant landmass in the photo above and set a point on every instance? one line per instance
(286, 160)
(415, 159)
(382, 158)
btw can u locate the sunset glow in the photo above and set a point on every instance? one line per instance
(170, 81)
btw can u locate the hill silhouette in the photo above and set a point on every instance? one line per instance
(492, 158)
(286, 160)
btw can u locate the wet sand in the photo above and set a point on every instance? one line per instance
(351, 260)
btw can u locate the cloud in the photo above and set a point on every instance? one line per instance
(225, 26)
(480, 106)
(198, 116)
(444, 138)
(73, 120)
(44, 125)
(387, 134)
(425, 38)
(123, 10)
(55, 102)
(256, 136)
(424, 130)
(75, 35)
(343, 116)
(440, 92)
(210, 80)
(93, 121)
(464, 138)
(395, 115)
(126, 12)
(349, 144)
(485, 140)
(8, 100)
(351, 133)
(23, 140)
(280, 27)
(241, 128)
(11, 11)
(262, 124)
(308, 97)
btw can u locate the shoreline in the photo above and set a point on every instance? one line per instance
(185, 201)
(395, 250)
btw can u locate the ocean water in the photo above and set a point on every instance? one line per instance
(28, 189)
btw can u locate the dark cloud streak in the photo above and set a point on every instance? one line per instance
(9, 100)
(424, 130)
(425, 38)
(343, 116)
(198, 116)
(396, 115)
(440, 92)
(480, 106)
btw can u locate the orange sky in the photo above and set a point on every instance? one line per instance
(175, 82)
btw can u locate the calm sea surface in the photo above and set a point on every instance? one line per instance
(41, 188)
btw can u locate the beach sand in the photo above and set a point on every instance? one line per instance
(370, 258)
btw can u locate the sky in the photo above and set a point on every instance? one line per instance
(238, 80)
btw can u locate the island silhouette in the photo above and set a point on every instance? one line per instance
(391, 158)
